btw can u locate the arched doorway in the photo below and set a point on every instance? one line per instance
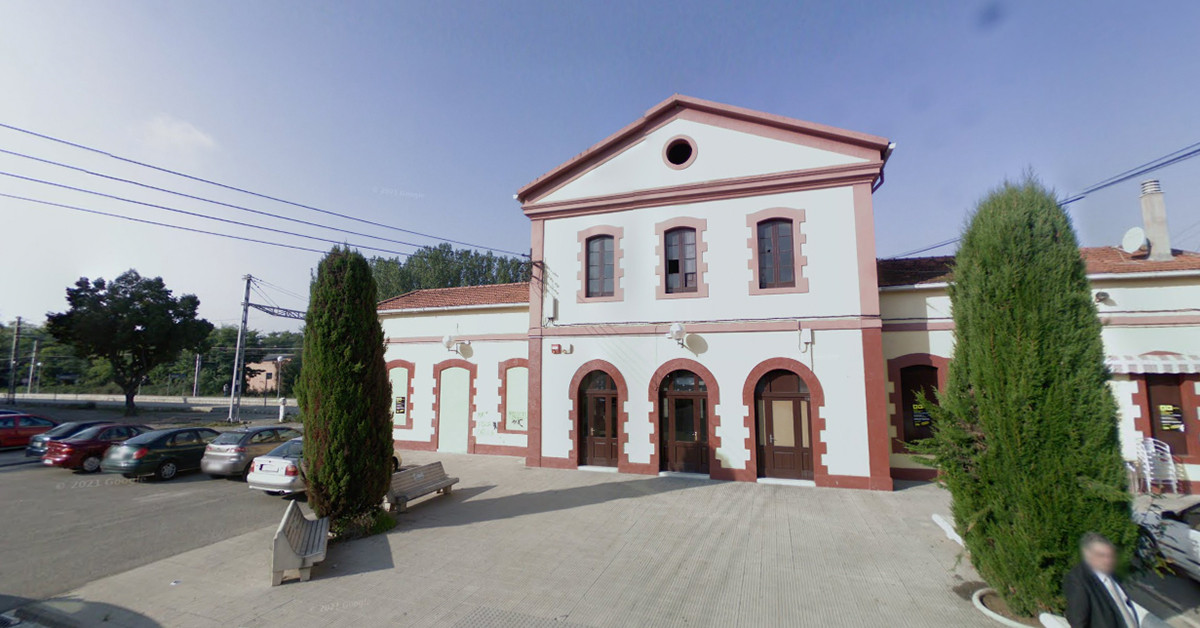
(683, 423)
(598, 405)
(783, 426)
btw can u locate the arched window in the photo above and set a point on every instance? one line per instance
(776, 254)
(600, 266)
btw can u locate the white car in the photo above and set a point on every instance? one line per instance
(1172, 534)
(278, 472)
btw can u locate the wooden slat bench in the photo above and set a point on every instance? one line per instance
(410, 484)
(299, 544)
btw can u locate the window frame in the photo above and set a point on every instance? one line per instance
(585, 237)
(605, 266)
(799, 261)
(661, 230)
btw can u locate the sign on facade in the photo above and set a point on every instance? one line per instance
(401, 405)
(920, 416)
(1170, 417)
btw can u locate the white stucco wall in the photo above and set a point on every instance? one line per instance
(835, 357)
(485, 354)
(721, 154)
(831, 251)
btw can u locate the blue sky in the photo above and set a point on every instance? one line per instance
(430, 116)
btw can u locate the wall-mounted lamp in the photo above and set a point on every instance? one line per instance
(1101, 297)
(452, 344)
(676, 333)
(806, 339)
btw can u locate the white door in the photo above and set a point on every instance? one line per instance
(454, 409)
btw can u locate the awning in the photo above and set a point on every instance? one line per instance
(1154, 363)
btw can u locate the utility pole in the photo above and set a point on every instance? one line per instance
(12, 365)
(235, 385)
(32, 364)
(196, 378)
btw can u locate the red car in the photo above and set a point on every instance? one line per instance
(84, 450)
(17, 429)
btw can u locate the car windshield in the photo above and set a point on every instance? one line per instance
(229, 438)
(63, 429)
(290, 449)
(147, 438)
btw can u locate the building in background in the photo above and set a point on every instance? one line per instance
(706, 299)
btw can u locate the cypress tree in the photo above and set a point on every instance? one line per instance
(1026, 433)
(343, 392)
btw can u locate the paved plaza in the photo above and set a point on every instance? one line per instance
(515, 546)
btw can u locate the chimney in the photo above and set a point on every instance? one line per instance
(1154, 221)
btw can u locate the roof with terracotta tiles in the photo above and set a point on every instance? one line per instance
(909, 271)
(465, 296)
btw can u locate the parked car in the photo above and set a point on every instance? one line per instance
(161, 453)
(37, 444)
(278, 472)
(17, 429)
(85, 450)
(232, 452)
(1173, 535)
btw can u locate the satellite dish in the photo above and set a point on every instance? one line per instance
(1133, 240)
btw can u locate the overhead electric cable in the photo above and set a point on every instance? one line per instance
(159, 224)
(196, 214)
(251, 193)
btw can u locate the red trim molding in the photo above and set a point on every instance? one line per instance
(720, 189)
(816, 421)
(658, 329)
(472, 369)
(894, 366)
(914, 475)
(408, 410)
(572, 460)
(799, 261)
(617, 234)
(714, 397)
(920, 326)
(660, 250)
(878, 440)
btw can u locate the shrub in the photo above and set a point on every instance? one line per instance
(1026, 433)
(343, 391)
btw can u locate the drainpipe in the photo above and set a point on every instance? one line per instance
(887, 152)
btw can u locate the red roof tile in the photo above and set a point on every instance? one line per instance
(908, 271)
(465, 296)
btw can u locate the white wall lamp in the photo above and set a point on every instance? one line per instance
(676, 333)
(806, 339)
(452, 344)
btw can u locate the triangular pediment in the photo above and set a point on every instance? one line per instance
(727, 143)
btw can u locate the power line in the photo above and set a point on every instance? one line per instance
(159, 224)
(1185, 153)
(205, 200)
(196, 214)
(251, 193)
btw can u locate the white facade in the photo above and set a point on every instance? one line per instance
(705, 298)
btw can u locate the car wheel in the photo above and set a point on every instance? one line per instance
(395, 464)
(166, 470)
(215, 476)
(91, 464)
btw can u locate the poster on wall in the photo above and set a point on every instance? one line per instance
(1170, 417)
(401, 405)
(920, 416)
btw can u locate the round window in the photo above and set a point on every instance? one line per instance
(680, 152)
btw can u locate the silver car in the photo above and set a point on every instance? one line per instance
(231, 453)
(278, 472)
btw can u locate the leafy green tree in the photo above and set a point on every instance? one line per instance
(343, 391)
(132, 323)
(1026, 434)
(444, 266)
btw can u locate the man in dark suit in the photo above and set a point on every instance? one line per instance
(1094, 597)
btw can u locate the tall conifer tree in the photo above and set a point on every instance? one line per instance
(343, 391)
(1026, 435)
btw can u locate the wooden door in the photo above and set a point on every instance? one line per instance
(684, 433)
(1166, 412)
(597, 429)
(783, 427)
